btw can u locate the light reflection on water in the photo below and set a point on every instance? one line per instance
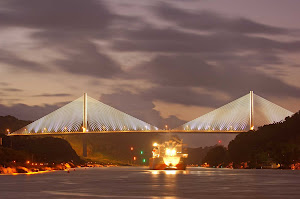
(169, 172)
(139, 182)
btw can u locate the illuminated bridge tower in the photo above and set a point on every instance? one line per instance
(245, 113)
(85, 115)
(251, 124)
(84, 126)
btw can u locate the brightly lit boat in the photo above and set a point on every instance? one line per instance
(168, 155)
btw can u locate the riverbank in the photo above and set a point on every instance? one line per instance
(35, 168)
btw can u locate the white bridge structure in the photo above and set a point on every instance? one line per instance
(88, 115)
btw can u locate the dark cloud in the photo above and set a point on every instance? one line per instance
(26, 112)
(66, 26)
(65, 15)
(4, 84)
(11, 90)
(88, 61)
(149, 39)
(15, 61)
(220, 54)
(53, 95)
(140, 107)
(176, 76)
(180, 95)
(210, 21)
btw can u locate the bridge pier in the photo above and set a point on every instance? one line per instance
(84, 146)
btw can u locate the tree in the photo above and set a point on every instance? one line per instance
(216, 156)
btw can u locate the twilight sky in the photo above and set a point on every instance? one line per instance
(165, 62)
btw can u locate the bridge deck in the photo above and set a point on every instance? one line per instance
(130, 132)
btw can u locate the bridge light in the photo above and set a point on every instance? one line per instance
(166, 126)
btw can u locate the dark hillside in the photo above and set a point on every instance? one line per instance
(11, 123)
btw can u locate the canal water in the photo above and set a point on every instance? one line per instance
(138, 182)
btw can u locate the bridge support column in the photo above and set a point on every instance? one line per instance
(84, 146)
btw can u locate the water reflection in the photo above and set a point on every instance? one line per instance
(138, 182)
(168, 172)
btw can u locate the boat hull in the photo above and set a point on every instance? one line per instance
(159, 164)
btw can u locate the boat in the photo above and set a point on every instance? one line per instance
(169, 155)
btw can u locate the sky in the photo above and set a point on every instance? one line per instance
(164, 62)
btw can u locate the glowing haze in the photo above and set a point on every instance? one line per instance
(164, 62)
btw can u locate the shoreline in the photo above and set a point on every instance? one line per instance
(81, 167)
(17, 170)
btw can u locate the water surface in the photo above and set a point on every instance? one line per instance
(138, 182)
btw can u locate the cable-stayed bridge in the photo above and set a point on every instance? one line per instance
(88, 115)
(243, 114)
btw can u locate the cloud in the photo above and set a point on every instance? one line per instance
(11, 90)
(26, 112)
(205, 20)
(53, 95)
(176, 76)
(150, 39)
(67, 27)
(196, 50)
(66, 15)
(15, 61)
(88, 61)
(4, 84)
(140, 107)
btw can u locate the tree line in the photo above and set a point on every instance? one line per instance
(277, 143)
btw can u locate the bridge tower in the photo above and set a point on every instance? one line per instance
(251, 111)
(84, 126)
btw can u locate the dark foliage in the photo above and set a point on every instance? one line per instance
(196, 155)
(276, 143)
(47, 149)
(11, 123)
(217, 156)
(7, 156)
